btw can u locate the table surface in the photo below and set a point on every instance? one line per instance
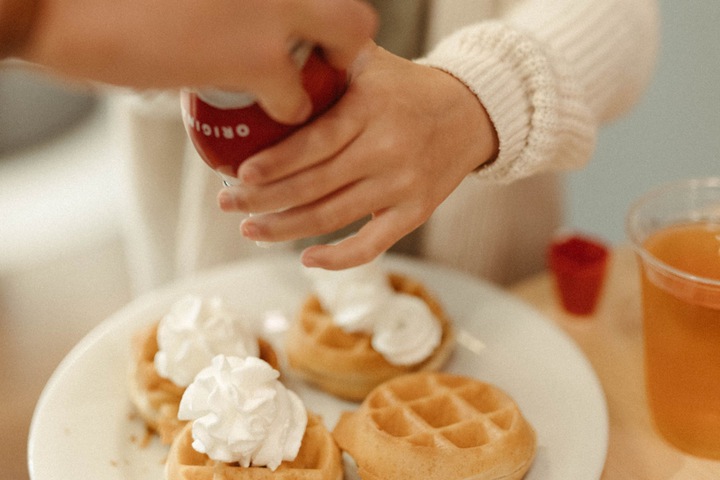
(612, 341)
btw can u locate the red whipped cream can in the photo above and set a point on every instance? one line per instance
(228, 127)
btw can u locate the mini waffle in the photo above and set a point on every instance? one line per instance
(437, 426)
(345, 364)
(156, 398)
(318, 459)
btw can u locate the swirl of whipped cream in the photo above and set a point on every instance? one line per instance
(353, 296)
(194, 331)
(361, 299)
(242, 413)
(407, 332)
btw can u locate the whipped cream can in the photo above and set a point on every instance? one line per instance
(228, 127)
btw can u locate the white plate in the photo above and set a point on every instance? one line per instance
(83, 425)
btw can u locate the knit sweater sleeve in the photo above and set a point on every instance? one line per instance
(549, 73)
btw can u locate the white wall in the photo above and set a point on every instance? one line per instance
(673, 133)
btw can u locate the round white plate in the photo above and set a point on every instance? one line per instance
(84, 427)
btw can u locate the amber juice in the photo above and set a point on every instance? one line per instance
(682, 335)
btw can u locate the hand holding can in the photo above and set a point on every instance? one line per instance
(226, 128)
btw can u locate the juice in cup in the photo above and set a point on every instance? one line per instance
(675, 231)
(682, 337)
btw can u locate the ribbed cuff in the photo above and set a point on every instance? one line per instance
(537, 108)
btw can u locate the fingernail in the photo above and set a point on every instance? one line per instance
(308, 260)
(249, 230)
(248, 174)
(296, 114)
(225, 199)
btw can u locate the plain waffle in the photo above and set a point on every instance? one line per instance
(437, 426)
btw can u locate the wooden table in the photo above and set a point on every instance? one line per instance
(612, 341)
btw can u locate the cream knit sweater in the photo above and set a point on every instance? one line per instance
(549, 72)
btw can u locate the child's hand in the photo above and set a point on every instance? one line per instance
(394, 147)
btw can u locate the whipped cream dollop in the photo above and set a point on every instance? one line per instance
(360, 299)
(242, 413)
(194, 331)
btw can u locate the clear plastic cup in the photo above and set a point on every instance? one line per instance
(675, 231)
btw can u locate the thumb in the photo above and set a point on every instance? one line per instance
(283, 97)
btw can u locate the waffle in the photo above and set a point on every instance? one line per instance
(156, 398)
(345, 364)
(318, 459)
(437, 426)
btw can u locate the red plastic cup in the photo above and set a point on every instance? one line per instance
(579, 265)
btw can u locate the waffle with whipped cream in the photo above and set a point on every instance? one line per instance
(318, 459)
(247, 425)
(345, 363)
(156, 398)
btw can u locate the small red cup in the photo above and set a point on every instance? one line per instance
(579, 265)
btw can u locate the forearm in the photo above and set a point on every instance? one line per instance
(16, 21)
(549, 73)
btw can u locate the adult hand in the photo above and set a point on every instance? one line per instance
(238, 45)
(395, 146)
